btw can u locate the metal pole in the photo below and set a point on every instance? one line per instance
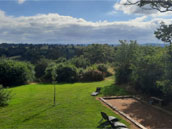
(54, 94)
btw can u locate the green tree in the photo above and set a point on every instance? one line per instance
(40, 68)
(13, 73)
(80, 62)
(66, 73)
(98, 53)
(126, 55)
(164, 33)
(147, 70)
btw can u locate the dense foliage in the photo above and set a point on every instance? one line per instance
(40, 68)
(13, 73)
(66, 73)
(64, 63)
(92, 75)
(147, 68)
(125, 56)
(5, 95)
(95, 53)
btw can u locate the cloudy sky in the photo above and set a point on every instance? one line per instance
(77, 21)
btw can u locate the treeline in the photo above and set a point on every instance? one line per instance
(148, 69)
(96, 53)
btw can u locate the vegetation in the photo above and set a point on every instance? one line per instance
(40, 68)
(66, 73)
(5, 95)
(147, 68)
(13, 73)
(92, 75)
(159, 78)
(125, 56)
(31, 107)
(82, 55)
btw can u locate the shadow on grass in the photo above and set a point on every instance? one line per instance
(37, 114)
(113, 90)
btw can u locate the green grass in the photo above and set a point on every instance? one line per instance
(31, 106)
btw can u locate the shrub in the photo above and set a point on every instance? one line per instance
(92, 75)
(40, 68)
(4, 96)
(104, 69)
(50, 73)
(61, 60)
(122, 74)
(13, 73)
(80, 62)
(66, 73)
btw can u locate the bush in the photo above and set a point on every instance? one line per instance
(104, 69)
(122, 74)
(40, 68)
(61, 60)
(61, 73)
(13, 73)
(66, 73)
(166, 88)
(4, 96)
(92, 75)
(80, 62)
(50, 73)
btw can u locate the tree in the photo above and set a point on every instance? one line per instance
(80, 62)
(164, 33)
(160, 5)
(40, 68)
(98, 53)
(147, 70)
(125, 56)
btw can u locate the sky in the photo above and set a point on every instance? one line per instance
(77, 22)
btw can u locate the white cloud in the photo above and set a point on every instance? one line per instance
(112, 13)
(54, 28)
(21, 1)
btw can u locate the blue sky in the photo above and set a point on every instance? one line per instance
(76, 21)
(88, 10)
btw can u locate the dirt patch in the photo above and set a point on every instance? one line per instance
(146, 115)
(132, 126)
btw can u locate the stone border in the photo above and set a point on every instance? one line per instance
(120, 112)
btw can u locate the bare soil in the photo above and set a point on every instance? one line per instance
(146, 115)
(132, 126)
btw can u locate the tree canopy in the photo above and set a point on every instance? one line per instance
(164, 33)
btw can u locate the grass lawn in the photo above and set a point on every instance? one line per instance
(31, 106)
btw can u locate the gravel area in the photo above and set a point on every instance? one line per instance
(146, 115)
